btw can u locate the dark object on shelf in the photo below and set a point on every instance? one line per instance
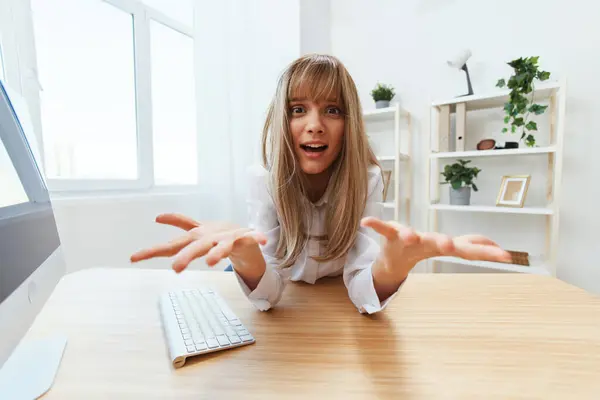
(486, 144)
(508, 145)
(519, 257)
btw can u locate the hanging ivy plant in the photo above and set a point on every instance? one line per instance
(520, 104)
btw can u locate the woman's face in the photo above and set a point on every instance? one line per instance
(317, 131)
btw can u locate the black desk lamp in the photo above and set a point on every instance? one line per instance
(460, 62)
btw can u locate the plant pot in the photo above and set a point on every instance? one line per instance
(382, 103)
(460, 196)
(511, 145)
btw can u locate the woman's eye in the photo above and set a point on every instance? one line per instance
(297, 109)
(334, 110)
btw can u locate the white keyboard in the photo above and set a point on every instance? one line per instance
(199, 321)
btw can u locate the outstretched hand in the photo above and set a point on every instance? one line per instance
(214, 240)
(404, 248)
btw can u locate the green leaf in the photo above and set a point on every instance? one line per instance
(513, 128)
(456, 184)
(530, 140)
(531, 126)
(537, 109)
(519, 121)
(504, 130)
(543, 75)
(501, 83)
(506, 119)
(474, 187)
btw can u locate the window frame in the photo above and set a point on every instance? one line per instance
(22, 158)
(141, 16)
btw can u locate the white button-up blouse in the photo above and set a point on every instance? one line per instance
(355, 267)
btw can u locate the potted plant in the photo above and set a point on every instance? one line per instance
(460, 177)
(382, 95)
(520, 104)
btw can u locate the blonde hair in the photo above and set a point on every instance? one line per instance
(320, 77)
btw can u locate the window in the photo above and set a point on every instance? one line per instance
(117, 106)
(86, 67)
(173, 106)
(12, 192)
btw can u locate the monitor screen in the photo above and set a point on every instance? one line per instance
(28, 232)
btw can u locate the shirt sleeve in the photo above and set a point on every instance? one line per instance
(262, 217)
(358, 276)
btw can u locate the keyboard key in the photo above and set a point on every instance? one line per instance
(189, 342)
(191, 349)
(243, 332)
(223, 341)
(201, 346)
(235, 322)
(234, 339)
(197, 336)
(212, 343)
(229, 331)
(246, 338)
(186, 336)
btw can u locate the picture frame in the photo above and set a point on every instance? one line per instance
(513, 190)
(387, 177)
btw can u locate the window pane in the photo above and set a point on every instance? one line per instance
(86, 67)
(180, 10)
(12, 191)
(2, 77)
(173, 106)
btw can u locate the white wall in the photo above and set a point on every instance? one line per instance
(105, 231)
(407, 44)
(315, 26)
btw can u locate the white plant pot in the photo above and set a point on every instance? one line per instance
(382, 104)
(460, 196)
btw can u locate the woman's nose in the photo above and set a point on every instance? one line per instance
(314, 123)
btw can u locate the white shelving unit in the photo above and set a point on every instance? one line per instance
(398, 198)
(439, 150)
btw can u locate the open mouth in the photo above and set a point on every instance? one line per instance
(314, 148)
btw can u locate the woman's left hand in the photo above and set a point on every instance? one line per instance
(404, 248)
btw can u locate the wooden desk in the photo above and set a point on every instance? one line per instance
(464, 336)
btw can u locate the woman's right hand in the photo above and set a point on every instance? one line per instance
(215, 240)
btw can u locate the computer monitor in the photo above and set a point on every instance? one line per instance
(31, 259)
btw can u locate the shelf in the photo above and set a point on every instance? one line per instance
(494, 153)
(382, 114)
(497, 99)
(493, 209)
(536, 266)
(402, 157)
